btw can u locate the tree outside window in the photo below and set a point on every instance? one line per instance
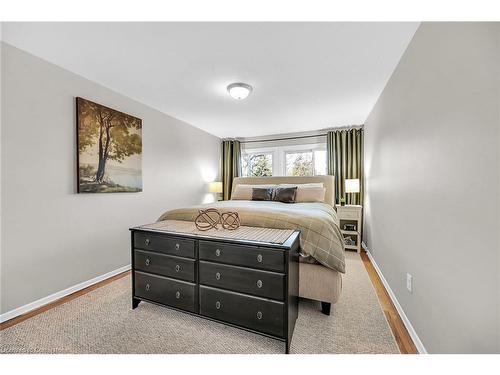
(300, 163)
(257, 165)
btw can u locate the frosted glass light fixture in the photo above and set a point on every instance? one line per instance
(239, 90)
(352, 185)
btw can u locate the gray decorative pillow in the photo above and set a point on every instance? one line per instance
(262, 194)
(285, 195)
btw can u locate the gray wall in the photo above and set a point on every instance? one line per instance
(498, 219)
(53, 238)
(1, 121)
(432, 185)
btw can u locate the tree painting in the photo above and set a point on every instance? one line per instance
(109, 149)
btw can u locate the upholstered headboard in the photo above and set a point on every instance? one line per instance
(328, 183)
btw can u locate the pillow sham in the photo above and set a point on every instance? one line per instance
(244, 192)
(262, 194)
(285, 194)
(308, 193)
(308, 185)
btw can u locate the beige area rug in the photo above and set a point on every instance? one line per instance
(102, 321)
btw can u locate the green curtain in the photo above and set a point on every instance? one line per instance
(345, 160)
(230, 166)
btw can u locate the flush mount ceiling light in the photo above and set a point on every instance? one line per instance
(239, 90)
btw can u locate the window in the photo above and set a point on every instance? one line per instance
(293, 160)
(258, 165)
(320, 162)
(299, 163)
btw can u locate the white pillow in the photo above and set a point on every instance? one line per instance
(244, 192)
(308, 185)
(306, 193)
(310, 194)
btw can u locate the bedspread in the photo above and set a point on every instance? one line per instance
(320, 235)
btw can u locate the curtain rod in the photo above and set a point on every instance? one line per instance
(297, 137)
(285, 139)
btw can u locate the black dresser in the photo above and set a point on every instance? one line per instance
(249, 285)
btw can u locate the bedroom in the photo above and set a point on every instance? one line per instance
(348, 173)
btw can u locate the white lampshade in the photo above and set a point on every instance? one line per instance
(215, 187)
(352, 185)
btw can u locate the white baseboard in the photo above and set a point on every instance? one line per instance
(63, 293)
(413, 334)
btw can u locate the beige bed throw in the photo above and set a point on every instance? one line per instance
(320, 235)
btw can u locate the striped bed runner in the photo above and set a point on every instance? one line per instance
(268, 235)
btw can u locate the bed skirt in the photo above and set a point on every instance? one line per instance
(319, 283)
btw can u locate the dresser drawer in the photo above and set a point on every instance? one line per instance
(176, 293)
(260, 283)
(165, 265)
(164, 244)
(251, 312)
(246, 256)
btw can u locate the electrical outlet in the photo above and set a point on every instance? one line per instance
(409, 282)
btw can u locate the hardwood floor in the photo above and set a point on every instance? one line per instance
(402, 336)
(69, 297)
(403, 339)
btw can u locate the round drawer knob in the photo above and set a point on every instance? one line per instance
(177, 246)
(217, 275)
(147, 262)
(217, 252)
(148, 286)
(177, 268)
(217, 305)
(259, 283)
(177, 294)
(259, 315)
(147, 241)
(259, 258)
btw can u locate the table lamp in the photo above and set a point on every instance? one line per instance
(215, 187)
(352, 185)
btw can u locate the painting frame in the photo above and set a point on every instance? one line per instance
(108, 149)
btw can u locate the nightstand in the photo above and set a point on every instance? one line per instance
(350, 225)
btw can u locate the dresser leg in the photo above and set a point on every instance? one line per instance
(287, 347)
(135, 302)
(325, 307)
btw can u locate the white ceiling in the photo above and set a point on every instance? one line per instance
(306, 76)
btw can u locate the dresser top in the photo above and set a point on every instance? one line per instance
(349, 206)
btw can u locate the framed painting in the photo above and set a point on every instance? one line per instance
(109, 149)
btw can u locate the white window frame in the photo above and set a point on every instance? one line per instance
(279, 154)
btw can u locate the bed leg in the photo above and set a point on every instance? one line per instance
(325, 307)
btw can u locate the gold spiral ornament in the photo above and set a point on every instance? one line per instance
(207, 219)
(230, 220)
(211, 218)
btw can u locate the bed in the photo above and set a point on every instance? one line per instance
(322, 259)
